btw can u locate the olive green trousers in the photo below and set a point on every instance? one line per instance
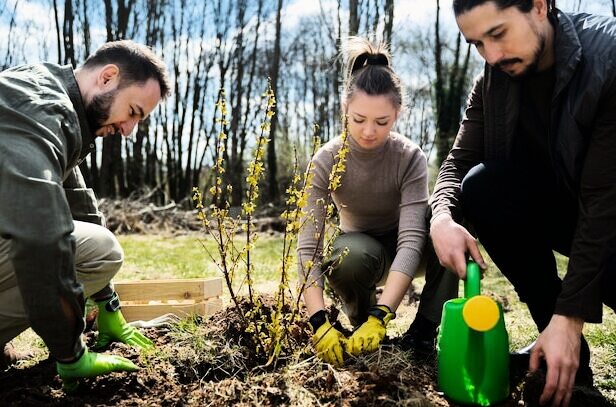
(98, 257)
(358, 263)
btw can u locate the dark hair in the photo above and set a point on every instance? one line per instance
(137, 64)
(462, 6)
(368, 68)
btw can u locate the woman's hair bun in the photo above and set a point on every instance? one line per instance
(368, 58)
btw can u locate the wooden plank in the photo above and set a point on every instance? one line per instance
(213, 305)
(145, 312)
(196, 289)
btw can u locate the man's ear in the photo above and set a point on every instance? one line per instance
(540, 8)
(108, 77)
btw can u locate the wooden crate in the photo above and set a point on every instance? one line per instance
(148, 299)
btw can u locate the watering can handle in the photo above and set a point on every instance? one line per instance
(472, 285)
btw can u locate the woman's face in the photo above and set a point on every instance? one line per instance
(371, 117)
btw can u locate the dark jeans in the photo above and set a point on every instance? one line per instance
(520, 218)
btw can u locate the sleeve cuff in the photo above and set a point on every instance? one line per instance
(406, 262)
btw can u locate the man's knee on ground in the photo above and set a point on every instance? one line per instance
(473, 190)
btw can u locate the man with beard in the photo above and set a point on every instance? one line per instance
(54, 248)
(532, 170)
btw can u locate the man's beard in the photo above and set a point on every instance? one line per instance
(532, 67)
(97, 110)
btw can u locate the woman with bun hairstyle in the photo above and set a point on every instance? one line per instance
(381, 202)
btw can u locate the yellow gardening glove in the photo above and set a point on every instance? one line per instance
(328, 342)
(369, 335)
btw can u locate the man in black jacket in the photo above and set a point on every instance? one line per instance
(533, 170)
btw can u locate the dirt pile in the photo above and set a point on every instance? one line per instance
(212, 362)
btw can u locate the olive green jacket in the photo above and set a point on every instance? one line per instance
(44, 135)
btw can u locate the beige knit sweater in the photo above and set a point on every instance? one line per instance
(383, 190)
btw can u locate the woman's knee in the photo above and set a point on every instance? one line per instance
(357, 257)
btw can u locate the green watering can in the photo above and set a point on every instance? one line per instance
(473, 347)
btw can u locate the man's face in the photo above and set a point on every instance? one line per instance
(119, 110)
(507, 39)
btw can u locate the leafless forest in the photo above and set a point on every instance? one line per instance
(235, 46)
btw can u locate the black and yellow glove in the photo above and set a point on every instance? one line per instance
(369, 335)
(328, 342)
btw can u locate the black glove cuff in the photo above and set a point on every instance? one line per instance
(113, 304)
(377, 312)
(317, 319)
(74, 359)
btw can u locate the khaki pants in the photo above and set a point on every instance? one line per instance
(98, 258)
(366, 265)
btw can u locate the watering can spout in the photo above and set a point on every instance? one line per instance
(473, 347)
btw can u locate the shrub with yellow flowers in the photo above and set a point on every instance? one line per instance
(270, 327)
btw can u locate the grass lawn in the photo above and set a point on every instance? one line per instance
(161, 257)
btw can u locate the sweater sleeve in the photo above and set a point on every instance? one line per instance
(412, 229)
(310, 239)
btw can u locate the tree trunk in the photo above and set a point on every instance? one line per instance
(86, 29)
(69, 47)
(8, 57)
(448, 94)
(89, 171)
(109, 20)
(58, 32)
(353, 17)
(237, 96)
(272, 174)
(389, 21)
(113, 169)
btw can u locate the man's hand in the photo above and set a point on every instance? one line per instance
(91, 364)
(559, 345)
(369, 335)
(451, 243)
(112, 327)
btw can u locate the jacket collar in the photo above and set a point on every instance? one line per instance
(67, 77)
(567, 50)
